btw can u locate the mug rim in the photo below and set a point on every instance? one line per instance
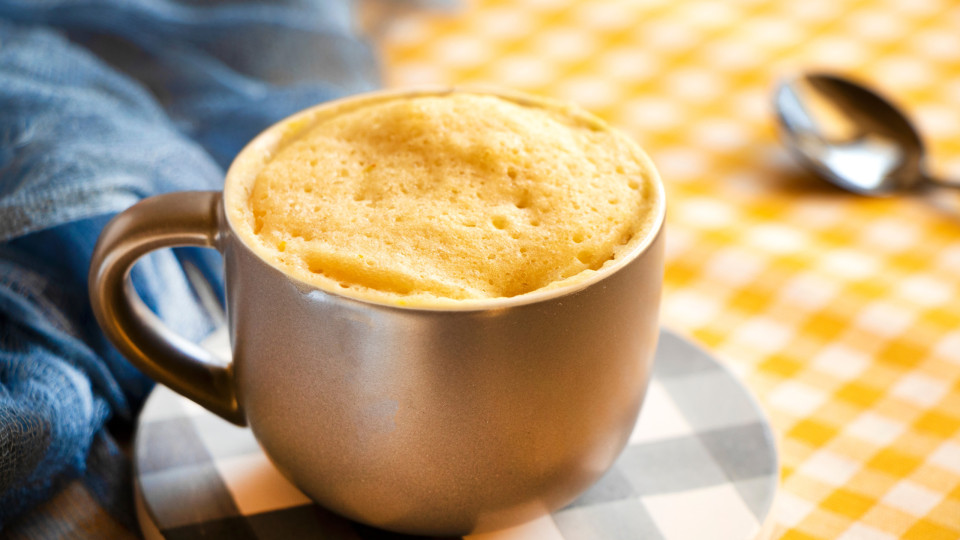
(275, 136)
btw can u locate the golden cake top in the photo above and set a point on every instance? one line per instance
(453, 196)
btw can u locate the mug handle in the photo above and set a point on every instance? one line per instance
(188, 218)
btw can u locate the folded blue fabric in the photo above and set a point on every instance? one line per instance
(102, 103)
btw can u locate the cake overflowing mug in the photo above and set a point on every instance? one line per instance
(442, 304)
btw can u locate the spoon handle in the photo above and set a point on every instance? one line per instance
(941, 194)
(935, 182)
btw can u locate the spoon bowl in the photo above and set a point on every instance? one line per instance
(849, 135)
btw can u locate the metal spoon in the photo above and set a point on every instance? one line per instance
(851, 136)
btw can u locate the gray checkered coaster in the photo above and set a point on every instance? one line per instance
(701, 463)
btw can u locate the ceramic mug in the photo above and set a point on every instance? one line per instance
(440, 420)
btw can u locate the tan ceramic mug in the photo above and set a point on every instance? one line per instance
(438, 420)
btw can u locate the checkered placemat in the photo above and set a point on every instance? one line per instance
(701, 463)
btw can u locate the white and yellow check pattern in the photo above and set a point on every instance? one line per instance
(841, 312)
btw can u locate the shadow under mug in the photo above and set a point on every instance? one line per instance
(440, 420)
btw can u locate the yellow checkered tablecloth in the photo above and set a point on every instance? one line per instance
(841, 312)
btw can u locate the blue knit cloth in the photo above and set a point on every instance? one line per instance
(103, 103)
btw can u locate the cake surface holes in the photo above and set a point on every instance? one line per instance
(455, 196)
